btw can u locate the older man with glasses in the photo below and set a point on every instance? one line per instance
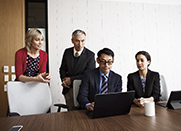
(100, 80)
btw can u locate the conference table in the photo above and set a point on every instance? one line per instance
(164, 120)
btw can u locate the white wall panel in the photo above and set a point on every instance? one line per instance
(125, 27)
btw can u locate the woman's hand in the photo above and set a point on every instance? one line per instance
(139, 102)
(43, 77)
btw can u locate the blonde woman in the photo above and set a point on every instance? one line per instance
(31, 61)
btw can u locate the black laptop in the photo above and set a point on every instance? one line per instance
(112, 104)
(174, 101)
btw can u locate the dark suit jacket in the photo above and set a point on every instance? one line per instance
(86, 61)
(152, 87)
(90, 85)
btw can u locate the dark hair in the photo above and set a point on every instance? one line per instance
(146, 54)
(105, 51)
(78, 32)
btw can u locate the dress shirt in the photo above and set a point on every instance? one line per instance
(101, 74)
(79, 52)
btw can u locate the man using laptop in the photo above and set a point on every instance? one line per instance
(100, 80)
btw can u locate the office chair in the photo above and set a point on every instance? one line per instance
(76, 84)
(164, 90)
(27, 98)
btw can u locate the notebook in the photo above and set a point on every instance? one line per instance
(112, 104)
(174, 100)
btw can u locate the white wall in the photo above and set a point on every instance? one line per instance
(125, 27)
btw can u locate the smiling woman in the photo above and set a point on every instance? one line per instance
(31, 61)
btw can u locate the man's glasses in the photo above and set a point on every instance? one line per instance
(103, 62)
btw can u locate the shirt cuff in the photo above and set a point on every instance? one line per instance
(87, 105)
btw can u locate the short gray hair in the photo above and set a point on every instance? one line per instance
(78, 32)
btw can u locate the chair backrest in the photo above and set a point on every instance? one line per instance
(76, 85)
(26, 98)
(164, 90)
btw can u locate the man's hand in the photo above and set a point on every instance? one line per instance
(65, 85)
(66, 82)
(90, 107)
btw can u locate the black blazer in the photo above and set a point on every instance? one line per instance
(86, 61)
(152, 87)
(90, 85)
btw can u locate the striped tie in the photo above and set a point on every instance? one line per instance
(104, 87)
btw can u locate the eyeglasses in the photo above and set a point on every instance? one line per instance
(104, 62)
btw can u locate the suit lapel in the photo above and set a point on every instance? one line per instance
(72, 59)
(97, 80)
(147, 83)
(139, 84)
(110, 81)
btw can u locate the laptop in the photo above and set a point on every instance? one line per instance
(112, 104)
(174, 101)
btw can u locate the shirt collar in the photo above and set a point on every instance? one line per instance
(79, 52)
(101, 74)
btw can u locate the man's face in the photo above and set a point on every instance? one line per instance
(105, 63)
(79, 42)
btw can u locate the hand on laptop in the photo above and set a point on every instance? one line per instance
(90, 107)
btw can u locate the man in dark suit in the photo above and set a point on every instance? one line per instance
(76, 60)
(99, 80)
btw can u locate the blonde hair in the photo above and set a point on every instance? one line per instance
(30, 35)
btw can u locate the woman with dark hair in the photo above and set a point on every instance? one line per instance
(144, 82)
(31, 61)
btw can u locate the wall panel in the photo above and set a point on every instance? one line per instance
(125, 27)
(11, 39)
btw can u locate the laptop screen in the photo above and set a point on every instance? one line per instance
(174, 100)
(111, 104)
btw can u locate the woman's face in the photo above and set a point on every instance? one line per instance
(37, 43)
(142, 62)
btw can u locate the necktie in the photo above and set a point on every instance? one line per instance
(76, 54)
(104, 87)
